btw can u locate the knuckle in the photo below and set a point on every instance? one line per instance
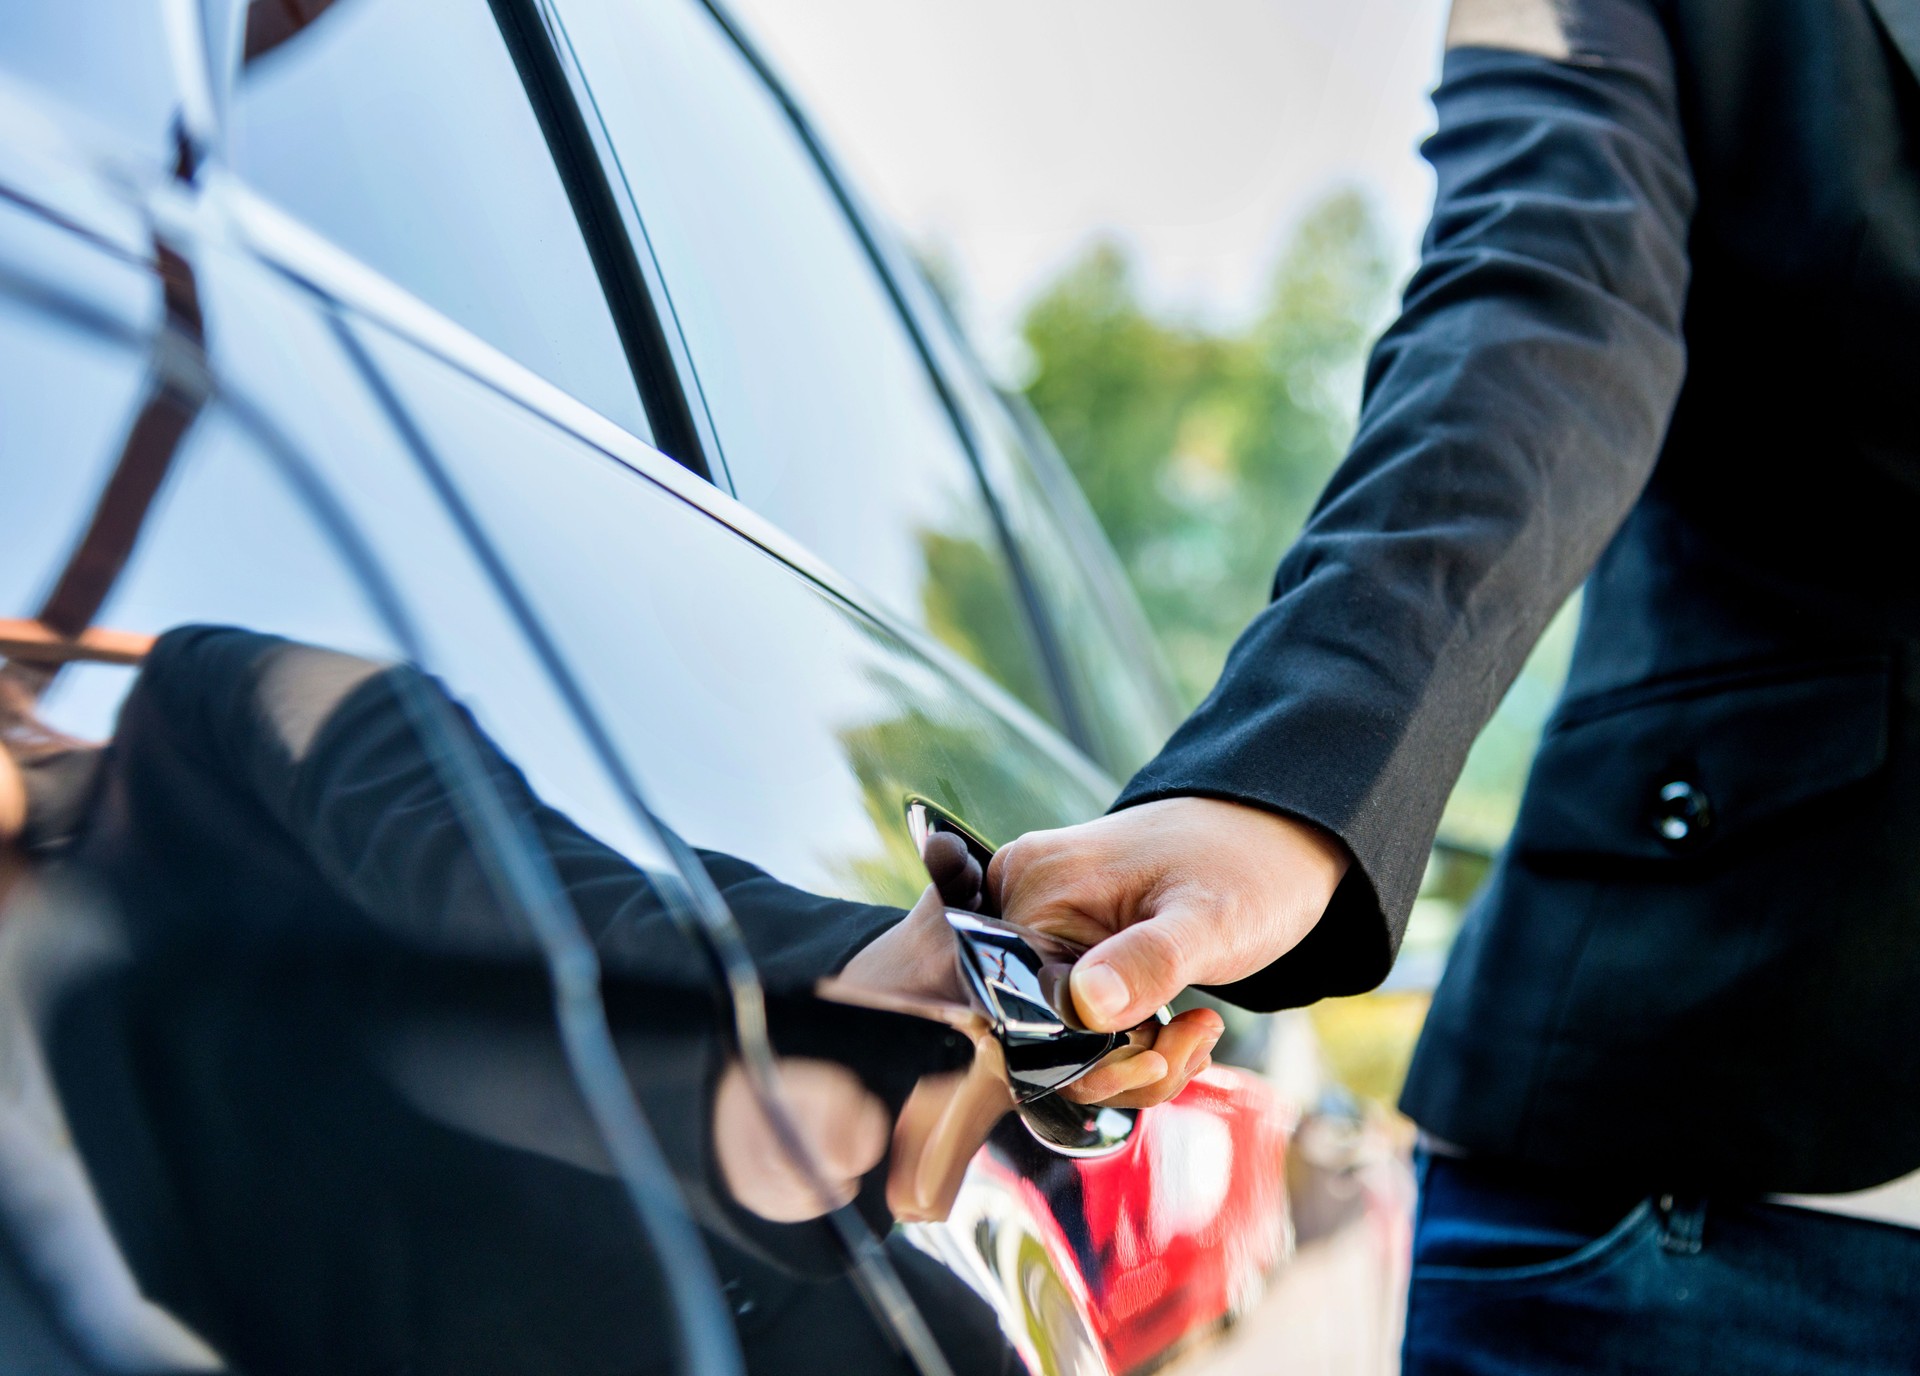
(1012, 861)
(1160, 950)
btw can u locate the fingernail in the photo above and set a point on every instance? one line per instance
(1100, 992)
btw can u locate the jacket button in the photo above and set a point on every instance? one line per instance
(1682, 814)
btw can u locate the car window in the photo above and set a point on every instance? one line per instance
(1112, 665)
(400, 130)
(826, 415)
(1114, 668)
(799, 728)
(106, 59)
(1120, 687)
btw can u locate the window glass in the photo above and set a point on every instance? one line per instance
(106, 59)
(828, 420)
(1112, 665)
(400, 130)
(1111, 661)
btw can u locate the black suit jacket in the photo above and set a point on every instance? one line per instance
(1664, 338)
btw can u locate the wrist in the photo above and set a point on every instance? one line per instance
(915, 956)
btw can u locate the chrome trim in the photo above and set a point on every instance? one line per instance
(634, 225)
(305, 257)
(925, 817)
(1081, 1133)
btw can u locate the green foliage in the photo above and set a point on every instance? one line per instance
(970, 607)
(1201, 450)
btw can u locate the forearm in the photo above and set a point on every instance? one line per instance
(1512, 415)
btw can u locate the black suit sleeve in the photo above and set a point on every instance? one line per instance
(1512, 415)
(329, 787)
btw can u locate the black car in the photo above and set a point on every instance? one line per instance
(484, 497)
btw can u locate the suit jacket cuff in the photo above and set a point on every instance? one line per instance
(1352, 947)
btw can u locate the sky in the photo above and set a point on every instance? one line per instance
(1006, 135)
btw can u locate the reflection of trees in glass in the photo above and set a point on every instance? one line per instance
(942, 748)
(971, 607)
(1202, 450)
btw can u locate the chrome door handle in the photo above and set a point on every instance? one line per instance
(1018, 978)
(1022, 995)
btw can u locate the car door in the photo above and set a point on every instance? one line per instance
(774, 714)
(238, 1194)
(776, 708)
(794, 745)
(834, 419)
(211, 1147)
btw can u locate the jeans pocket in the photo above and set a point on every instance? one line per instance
(1641, 1225)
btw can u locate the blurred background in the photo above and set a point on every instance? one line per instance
(1177, 229)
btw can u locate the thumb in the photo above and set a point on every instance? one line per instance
(1121, 981)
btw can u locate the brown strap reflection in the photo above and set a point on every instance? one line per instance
(61, 633)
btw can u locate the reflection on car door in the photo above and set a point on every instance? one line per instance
(770, 718)
(777, 708)
(260, 1098)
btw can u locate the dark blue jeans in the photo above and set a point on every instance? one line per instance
(1525, 1276)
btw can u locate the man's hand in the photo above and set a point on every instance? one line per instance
(1178, 892)
(916, 956)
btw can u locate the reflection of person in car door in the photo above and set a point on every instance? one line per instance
(337, 1043)
(1663, 340)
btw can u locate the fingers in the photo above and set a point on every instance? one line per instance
(1069, 884)
(1126, 1070)
(1168, 893)
(1128, 1078)
(1120, 982)
(1158, 1093)
(846, 1128)
(954, 871)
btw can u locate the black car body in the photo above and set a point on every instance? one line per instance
(539, 344)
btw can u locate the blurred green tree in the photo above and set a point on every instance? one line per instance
(1202, 450)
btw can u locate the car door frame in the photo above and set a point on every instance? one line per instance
(669, 385)
(874, 245)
